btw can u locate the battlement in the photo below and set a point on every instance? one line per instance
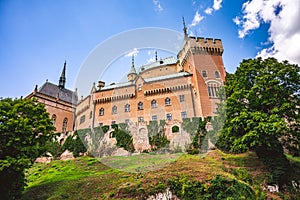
(205, 42)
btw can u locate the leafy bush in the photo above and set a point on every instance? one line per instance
(124, 139)
(74, 144)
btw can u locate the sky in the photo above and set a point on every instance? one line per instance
(37, 37)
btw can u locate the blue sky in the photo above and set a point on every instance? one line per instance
(37, 37)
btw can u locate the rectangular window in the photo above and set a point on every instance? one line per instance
(100, 124)
(181, 98)
(169, 116)
(127, 121)
(82, 119)
(113, 122)
(183, 115)
(154, 117)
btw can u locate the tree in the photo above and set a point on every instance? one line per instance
(25, 127)
(262, 112)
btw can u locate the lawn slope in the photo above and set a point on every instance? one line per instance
(214, 176)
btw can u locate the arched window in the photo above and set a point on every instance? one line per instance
(153, 103)
(140, 106)
(114, 110)
(217, 74)
(127, 108)
(213, 89)
(65, 123)
(167, 101)
(204, 73)
(101, 111)
(53, 119)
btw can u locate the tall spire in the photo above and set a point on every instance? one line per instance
(132, 61)
(184, 28)
(132, 73)
(62, 79)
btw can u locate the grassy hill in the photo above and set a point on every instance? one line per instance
(214, 176)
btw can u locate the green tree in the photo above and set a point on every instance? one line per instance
(74, 143)
(25, 127)
(262, 112)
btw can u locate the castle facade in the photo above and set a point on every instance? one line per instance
(168, 89)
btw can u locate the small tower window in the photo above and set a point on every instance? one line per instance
(204, 73)
(167, 101)
(65, 123)
(217, 74)
(127, 108)
(101, 111)
(114, 110)
(140, 106)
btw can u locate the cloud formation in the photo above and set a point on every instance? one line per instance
(284, 30)
(134, 53)
(217, 5)
(158, 6)
(197, 18)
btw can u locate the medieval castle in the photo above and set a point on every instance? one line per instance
(168, 89)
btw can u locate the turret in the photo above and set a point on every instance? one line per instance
(132, 73)
(62, 79)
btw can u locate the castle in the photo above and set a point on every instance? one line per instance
(167, 89)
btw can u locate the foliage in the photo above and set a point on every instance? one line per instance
(25, 127)
(74, 144)
(175, 129)
(157, 139)
(216, 188)
(92, 179)
(55, 148)
(124, 139)
(263, 112)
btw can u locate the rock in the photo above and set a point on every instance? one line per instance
(67, 155)
(167, 195)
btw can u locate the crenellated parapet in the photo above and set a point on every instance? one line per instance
(200, 45)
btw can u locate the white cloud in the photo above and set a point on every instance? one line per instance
(197, 18)
(284, 30)
(209, 11)
(158, 6)
(217, 5)
(151, 60)
(134, 53)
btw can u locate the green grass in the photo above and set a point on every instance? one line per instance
(87, 178)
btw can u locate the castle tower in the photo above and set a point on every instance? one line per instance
(132, 73)
(203, 58)
(62, 79)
